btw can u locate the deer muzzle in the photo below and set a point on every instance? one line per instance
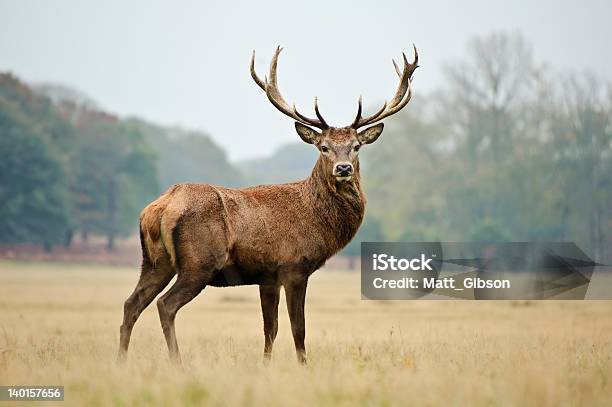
(343, 171)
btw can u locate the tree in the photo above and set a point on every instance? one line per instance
(491, 106)
(186, 156)
(115, 174)
(404, 173)
(487, 230)
(484, 100)
(581, 126)
(33, 187)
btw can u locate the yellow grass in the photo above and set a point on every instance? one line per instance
(59, 326)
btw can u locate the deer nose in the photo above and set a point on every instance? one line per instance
(344, 169)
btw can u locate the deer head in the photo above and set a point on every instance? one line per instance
(339, 146)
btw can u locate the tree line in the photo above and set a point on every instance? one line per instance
(69, 167)
(507, 149)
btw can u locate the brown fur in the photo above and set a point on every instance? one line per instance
(254, 232)
(271, 235)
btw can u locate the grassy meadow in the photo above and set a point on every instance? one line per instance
(59, 325)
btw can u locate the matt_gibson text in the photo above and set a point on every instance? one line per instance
(439, 283)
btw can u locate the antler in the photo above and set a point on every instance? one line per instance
(400, 99)
(274, 95)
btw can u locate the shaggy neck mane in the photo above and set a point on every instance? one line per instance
(340, 206)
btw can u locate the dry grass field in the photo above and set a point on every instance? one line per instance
(59, 325)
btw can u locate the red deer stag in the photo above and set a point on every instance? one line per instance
(271, 235)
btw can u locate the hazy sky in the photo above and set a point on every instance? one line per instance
(186, 62)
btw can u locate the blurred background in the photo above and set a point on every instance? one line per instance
(104, 105)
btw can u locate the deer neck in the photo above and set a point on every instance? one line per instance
(339, 206)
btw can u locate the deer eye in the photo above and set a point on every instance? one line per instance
(324, 149)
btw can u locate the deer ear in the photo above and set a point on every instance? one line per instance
(307, 134)
(370, 134)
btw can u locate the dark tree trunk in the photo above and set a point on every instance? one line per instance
(110, 243)
(112, 215)
(68, 238)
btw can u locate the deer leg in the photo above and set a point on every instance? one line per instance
(184, 290)
(151, 282)
(269, 296)
(295, 292)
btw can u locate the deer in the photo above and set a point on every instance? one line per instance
(272, 236)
